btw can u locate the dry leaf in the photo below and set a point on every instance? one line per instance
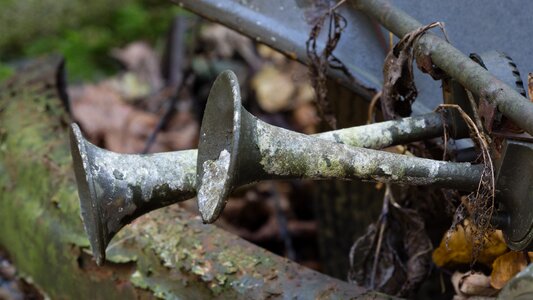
(225, 42)
(107, 119)
(472, 284)
(399, 89)
(141, 60)
(320, 62)
(272, 55)
(273, 88)
(506, 267)
(456, 248)
(394, 273)
(306, 118)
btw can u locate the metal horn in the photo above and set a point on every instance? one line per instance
(236, 148)
(114, 188)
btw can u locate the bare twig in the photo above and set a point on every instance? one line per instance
(480, 203)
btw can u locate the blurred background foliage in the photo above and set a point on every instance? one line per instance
(82, 31)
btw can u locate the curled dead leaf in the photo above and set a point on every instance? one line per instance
(399, 90)
(402, 231)
(320, 62)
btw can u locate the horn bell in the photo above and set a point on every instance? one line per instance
(114, 188)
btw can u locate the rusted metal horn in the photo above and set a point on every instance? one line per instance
(236, 148)
(109, 200)
(114, 188)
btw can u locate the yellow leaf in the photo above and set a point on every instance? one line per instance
(506, 267)
(459, 250)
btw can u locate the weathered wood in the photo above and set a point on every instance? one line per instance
(168, 253)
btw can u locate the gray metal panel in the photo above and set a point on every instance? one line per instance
(477, 26)
(285, 25)
(473, 26)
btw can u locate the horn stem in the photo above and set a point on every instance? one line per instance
(394, 132)
(298, 155)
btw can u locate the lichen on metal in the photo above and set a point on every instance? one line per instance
(216, 174)
(302, 156)
(116, 188)
(385, 134)
(260, 151)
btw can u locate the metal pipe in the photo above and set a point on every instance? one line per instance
(457, 65)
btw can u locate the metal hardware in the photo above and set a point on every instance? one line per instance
(515, 193)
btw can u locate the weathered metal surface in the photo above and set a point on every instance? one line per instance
(167, 254)
(236, 148)
(395, 132)
(285, 25)
(515, 193)
(115, 189)
(452, 61)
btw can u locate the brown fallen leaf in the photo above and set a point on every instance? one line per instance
(472, 284)
(456, 248)
(506, 267)
(274, 89)
(141, 60)
(400, 231)
(399, 90)
(225, 42)
(306, 118)
(108, 120)
(271, 55)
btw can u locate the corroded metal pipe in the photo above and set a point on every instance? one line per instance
(236, 148)
(459, 66)
(115, 189)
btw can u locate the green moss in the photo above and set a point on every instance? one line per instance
(82, 31)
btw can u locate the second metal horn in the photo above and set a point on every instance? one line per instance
(114, 188)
